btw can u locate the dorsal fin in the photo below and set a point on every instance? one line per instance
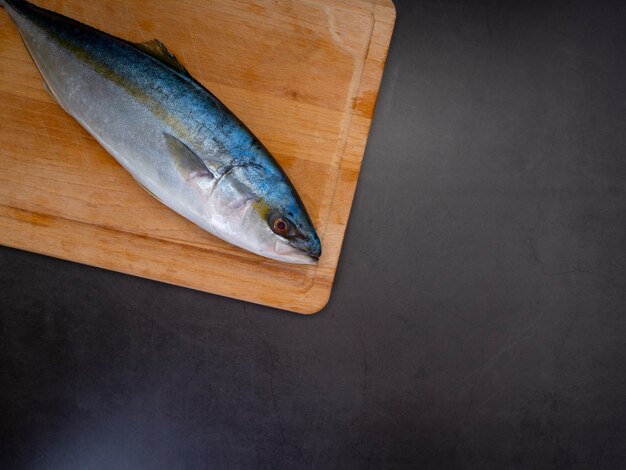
(157, 49)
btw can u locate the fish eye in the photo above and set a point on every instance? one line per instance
(281, 226)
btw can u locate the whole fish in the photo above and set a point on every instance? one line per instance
(170, 133)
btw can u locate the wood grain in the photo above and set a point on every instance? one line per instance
(303, 74)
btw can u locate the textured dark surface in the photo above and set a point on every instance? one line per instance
(477, 321)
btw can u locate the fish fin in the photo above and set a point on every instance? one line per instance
(157, 49)
(188, 164)
(48, 90)
(148, 191)
(54, 96)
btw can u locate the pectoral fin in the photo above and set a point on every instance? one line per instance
(187, 163)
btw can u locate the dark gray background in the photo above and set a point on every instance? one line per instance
(477, 320)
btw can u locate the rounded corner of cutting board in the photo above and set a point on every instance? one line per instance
(316, 301)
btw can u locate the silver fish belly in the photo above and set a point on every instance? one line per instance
(171, 134)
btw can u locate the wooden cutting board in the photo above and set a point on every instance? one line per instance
(303, 74)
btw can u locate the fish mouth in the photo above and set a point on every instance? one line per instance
(309, 245)
(311, 258)
(290, 253)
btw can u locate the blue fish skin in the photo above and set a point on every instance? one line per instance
(187, 111)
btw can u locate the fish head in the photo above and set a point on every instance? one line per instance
(261, 212)
(251, 204)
